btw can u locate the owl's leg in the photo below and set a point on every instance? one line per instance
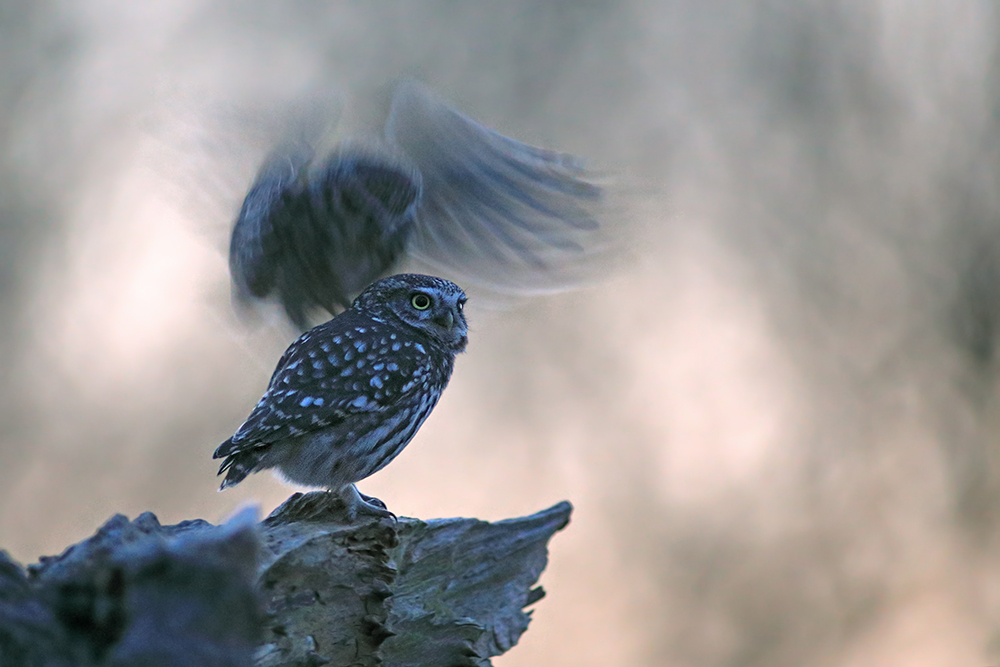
(359, 505)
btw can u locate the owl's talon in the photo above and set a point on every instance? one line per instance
(364, 509)
(376, 507)
(360, 505)
(372, 500)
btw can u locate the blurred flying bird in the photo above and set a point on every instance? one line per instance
(439, 188)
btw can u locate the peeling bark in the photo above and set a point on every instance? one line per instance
(303, 587)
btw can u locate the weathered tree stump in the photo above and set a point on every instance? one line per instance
(303, 587)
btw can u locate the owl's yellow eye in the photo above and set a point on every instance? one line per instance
(420, 301)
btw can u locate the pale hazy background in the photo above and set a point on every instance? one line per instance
(778, 423)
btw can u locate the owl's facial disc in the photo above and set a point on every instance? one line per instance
(432, 305)
(438, 313)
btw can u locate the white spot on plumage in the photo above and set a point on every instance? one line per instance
(420, 347)
(361, 402)
(392, 366)
(376, 381)
(306, 402)
(379, 366)
(318, 364)
(360, 346)
(318, 401)
(396, 347)
(348, 370)
(348, 355)
(338, 340)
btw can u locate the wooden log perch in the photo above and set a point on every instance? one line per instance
(304, 587)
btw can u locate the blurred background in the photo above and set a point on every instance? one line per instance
(778, 421)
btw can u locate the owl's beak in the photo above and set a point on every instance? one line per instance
(446, 319)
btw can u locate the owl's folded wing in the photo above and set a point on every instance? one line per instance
(322, 380)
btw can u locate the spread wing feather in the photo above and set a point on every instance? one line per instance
(496, 212)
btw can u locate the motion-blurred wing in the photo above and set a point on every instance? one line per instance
(317, 236)
(495, 212)
(365, 198)
(256, 252)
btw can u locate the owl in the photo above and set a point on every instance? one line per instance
(349, 394)
(439, 188)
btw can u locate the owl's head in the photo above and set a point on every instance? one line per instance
(432, 305)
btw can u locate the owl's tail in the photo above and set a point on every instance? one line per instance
(238, 463)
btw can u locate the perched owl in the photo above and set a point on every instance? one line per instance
(439, 187)
(349, 394)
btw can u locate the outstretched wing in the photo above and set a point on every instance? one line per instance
(485, 209)
(495, 212)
